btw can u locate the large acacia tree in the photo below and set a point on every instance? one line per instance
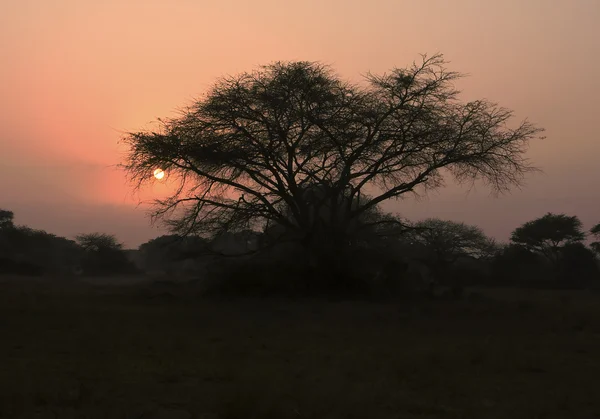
(248, 151)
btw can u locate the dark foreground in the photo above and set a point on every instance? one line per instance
(70, 351)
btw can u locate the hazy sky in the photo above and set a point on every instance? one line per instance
(75, 73)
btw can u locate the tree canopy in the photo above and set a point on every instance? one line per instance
(6, 219)
(446, 241)
(29, 250)
(163, 251)
(546, 235)
(247, 152)
(98, 242)
(103, 254)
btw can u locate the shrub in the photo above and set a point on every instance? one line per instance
(578, 266)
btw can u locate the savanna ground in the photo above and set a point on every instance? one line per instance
(70, 350)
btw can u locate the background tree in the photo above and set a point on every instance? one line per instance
(595, 232)
(162, 253)
(447, 241)
(6, 224)
(515, 264)
(103, 255)
(6, 219)
(578, 265)
(548, 234)
(54, 254)
(24, 250)
(259, 140)
(96, 242)
(444, 245)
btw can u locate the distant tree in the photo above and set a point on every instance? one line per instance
(158, 252)
(54, 253)
(38, 250)
(17, 250)
(6, 219)
(162, 252)
(578, 265)
(103, 254)
(447, 241)
(595, 232)
(514, 264)
(98, 241)
(6, 223)
(548, 234)
(261, 139)
(456, 253)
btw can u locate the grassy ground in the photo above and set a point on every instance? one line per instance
(72, 351)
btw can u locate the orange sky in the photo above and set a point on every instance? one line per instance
(74, 73)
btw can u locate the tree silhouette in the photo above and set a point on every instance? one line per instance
(595, 231)
(98, 242)
(369, 228)
(25, 250)
(578, 265)
(548, 234)
(448, 241)
(103, 254)
(455, 252)
(257, 142)
(6, 219)
(163, 251)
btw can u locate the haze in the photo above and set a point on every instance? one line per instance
(75, 74)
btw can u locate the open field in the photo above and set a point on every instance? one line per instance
(70, 350)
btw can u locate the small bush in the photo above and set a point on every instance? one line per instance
(14, 267)
(107, 262)
(255, 276)
(578, 266)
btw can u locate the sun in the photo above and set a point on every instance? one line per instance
(159, 174)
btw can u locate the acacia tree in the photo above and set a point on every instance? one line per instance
(549, 234)
(103, 254)
(97, 242)
(247, 151)
(446, 241)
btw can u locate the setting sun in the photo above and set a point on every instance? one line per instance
(159, 174)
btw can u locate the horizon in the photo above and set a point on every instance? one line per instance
(79, 75)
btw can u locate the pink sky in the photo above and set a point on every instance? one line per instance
(73, 74)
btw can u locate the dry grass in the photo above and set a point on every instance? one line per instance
(74, 351)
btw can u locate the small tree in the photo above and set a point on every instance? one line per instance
(514, 264)
(444, 243)
(578, 265)
(103, 254)
(96, 242)
(448, 241)
(548, 234)
(6, 219)
(595, 231)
